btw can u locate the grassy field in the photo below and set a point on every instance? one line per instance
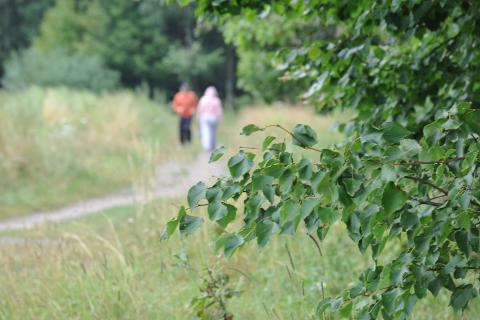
(59, 145)
(113, 266)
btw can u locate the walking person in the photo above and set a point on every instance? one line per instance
(184, 104)
(209, 114)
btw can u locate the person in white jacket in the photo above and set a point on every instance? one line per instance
(210, 113)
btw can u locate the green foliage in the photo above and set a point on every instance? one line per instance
(408, 170)
(30, 68)
(191, 62)
(20, 21)
(256, 41)
(146, 41)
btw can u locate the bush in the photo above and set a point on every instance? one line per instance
(57, 68)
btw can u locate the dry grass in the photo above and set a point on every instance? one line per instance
(59, 145)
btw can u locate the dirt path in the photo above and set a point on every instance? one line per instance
(172, 179)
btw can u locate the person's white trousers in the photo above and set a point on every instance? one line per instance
(208, 131)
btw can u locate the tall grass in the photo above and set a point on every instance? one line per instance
(59, 145)
(114, 267)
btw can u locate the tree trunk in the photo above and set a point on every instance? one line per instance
(230, 78)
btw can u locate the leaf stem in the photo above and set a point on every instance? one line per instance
(198, 205)
(316, 243)
(292, 135)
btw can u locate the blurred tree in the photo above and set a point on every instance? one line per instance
(147, 41)
(257, 42)
(19, 23)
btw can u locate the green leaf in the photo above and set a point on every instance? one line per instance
(320, 181)
(357, 290)
(239, 164)
(435, 285)
(252, 207)
(352, 185)
(232, 242)
(249, 129)
(393, 132)
(181, 213)
(389, 300)
(329, 305)
(231, 214)
(462, 238)
(422, 279)
(422, 242)
(312, 221)
(323, 306)
(286, 181)
(266, 142)
(189, 223)
(232, 190)
(195, 194)
(393, 198)
(462, 295)
(472, 119)
(388, 173)
(275, 170)
(169, 229)
(216, 210)
(217, 154)
(464, 220)
(264, 230)
(328, 216)
(409, 148)
(269, 192)
(304, 136)
(290, 210)
(305, 169)
(213, 194)
(307, 206)
(408, 220)
(346, 311)
(259, 181)
(433, 131)
(314, 53)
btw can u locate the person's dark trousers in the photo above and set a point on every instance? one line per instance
(185, 133)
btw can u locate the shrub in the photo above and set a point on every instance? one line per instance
(57, 68)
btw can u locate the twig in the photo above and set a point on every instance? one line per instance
(430, 203)
(417, 162)
(437, 197)
(424, 181)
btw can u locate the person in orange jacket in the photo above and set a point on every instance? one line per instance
(185, 104)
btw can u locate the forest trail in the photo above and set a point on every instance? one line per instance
(172, 179)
